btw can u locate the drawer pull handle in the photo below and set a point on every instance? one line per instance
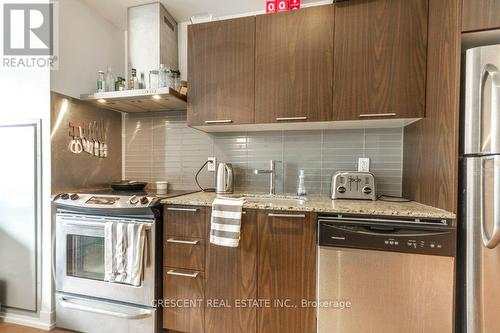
(225, 121)
(192, 275)
(367, 115)
(297, 216)
(193, 210)
(291, 118)
(337, 237)
(179, 241)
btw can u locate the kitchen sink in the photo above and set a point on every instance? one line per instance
(274, 200)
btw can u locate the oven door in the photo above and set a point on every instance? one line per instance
(80, 259)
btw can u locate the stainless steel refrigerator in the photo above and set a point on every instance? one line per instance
(481, 192)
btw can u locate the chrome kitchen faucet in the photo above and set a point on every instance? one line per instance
(272, 175)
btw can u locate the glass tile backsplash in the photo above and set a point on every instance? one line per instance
(160, 146)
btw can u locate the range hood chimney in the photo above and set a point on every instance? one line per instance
(151, 39)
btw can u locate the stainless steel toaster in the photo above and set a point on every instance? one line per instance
(353, 185)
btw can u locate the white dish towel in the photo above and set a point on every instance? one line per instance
(124, 252)
(226, 221)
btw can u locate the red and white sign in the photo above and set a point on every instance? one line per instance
(294, 4)
(271, 6)
(275, 6)
(282, 5)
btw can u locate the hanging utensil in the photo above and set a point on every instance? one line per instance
(75, 146)
(90, 144)
(96, 139)
(105, 142)
(85, 141)
(101, 147)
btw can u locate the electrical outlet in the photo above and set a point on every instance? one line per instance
(212, 163)
(364, 164)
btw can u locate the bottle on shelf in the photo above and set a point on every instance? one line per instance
(110, 80)
(134, 82)
(101, 85)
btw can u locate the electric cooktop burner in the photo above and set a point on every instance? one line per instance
(108, 198)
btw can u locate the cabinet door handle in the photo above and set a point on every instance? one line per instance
(180, 241)
(367, 115)
(290, 118)
(190, 275)
(224, 121)
(174, 209)
(293, 216)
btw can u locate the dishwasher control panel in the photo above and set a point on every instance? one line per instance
(386, 236)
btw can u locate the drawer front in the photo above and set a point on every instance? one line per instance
(183, 292)
(185, 221)
(183, 252)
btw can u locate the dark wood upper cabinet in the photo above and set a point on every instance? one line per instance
(231, 276)
(286, 271)
(480, 15)
(294, 65)
(221, 72)
(380, 59)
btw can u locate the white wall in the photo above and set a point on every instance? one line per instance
(87, 43)
(25, 96)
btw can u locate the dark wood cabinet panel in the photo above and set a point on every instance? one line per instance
(380, 59)
(182, 252)
(231, 275)
(286, 271)
(480, 15)
(430, 166)
(186, 288)
(294, 65)
(185, 221)
(221, 71)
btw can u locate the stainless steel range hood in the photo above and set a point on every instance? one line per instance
(151, 41)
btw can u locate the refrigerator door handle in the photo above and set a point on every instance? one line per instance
(493, 72)
(491, 241)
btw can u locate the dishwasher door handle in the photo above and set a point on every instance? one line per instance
(392, 232)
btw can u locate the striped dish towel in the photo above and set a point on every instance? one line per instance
(226, 221)
(124, 252)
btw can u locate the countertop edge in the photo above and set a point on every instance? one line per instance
(355, 207)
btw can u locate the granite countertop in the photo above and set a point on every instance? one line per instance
(323, 204)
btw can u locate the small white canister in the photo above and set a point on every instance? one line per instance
(162, 187)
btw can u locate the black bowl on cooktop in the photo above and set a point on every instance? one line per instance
(128, 185)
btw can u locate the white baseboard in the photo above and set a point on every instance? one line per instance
(45, 321)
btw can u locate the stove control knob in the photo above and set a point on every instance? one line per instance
(367, 190)
(74, 196)
(64, 196)
(133, 200)
(144, 200)
(341, 189)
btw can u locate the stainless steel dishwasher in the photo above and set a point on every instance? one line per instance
(385, 275)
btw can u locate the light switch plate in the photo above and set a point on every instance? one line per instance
(364, 164)
(212, 163)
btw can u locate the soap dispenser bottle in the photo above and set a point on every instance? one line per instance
(301, 190)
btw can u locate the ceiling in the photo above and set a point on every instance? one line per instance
(115, 11)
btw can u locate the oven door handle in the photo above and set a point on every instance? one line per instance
(72, 303)
(90, 224)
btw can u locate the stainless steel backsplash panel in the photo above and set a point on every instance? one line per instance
(70, 171)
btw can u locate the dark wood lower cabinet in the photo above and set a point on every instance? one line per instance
(286, 272)
(259, 286)
(183, 308)
(231, 276)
